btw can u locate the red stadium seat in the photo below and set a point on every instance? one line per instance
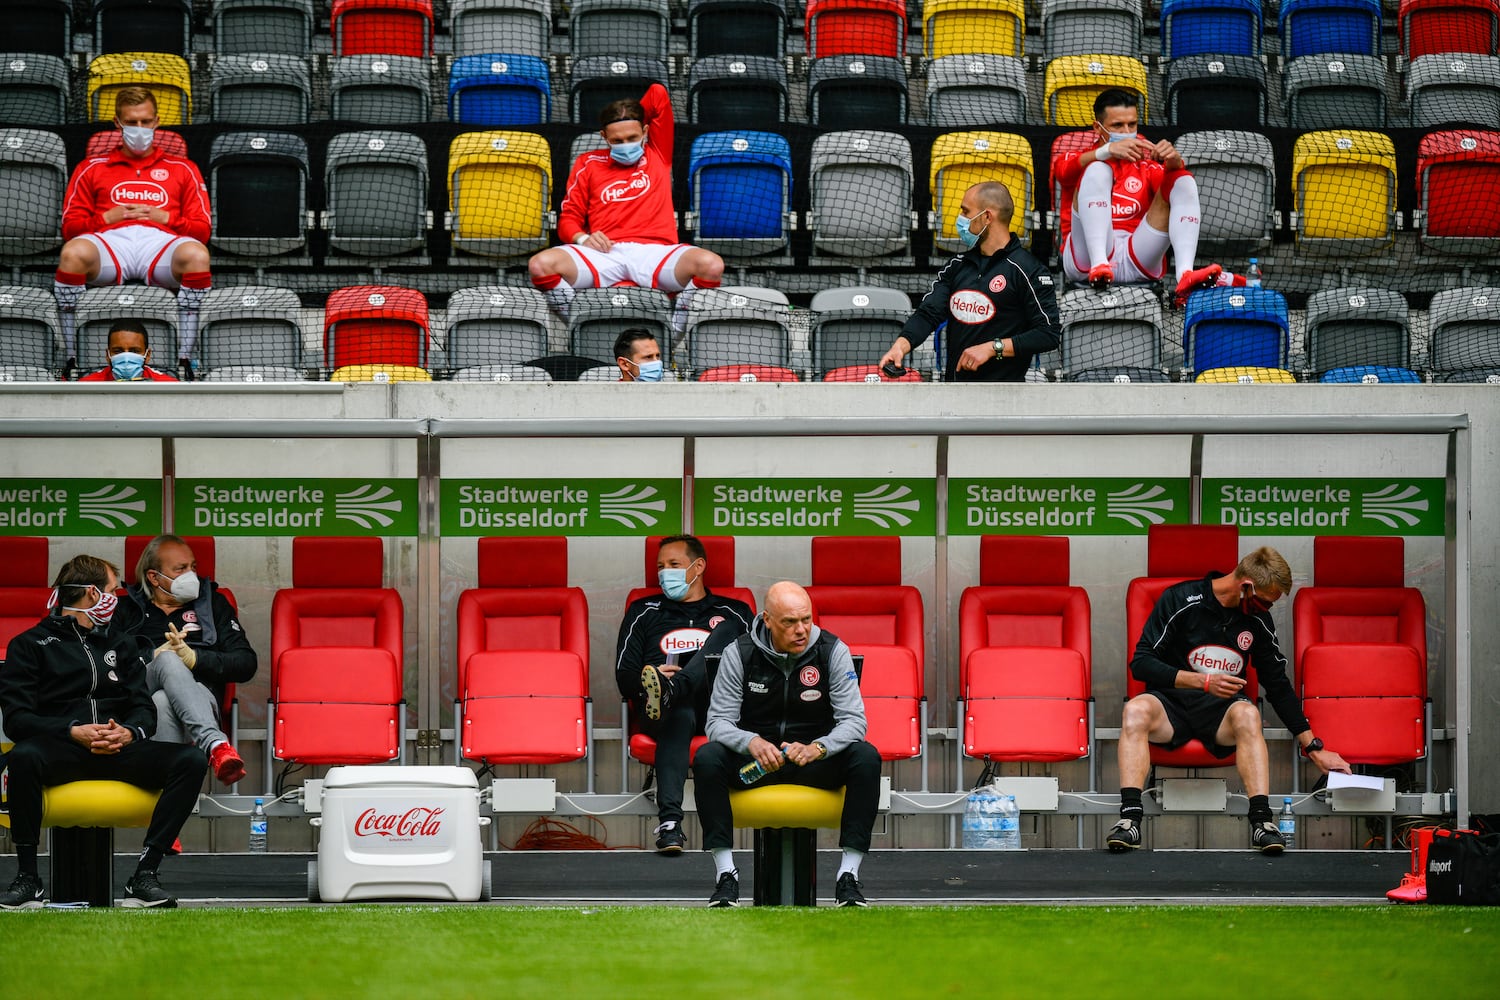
(747, 373)
(1067, 142)
(1458, 189)
(523, 657)
(1436, 27)
(868, 373)
(107, 141)
(336, 657)
(891, 684)
(375, 325)
(382, 27)
(856, 27)
(24, 586)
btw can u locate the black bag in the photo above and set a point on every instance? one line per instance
(1464, 867)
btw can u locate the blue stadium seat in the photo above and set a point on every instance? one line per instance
(1371, 375)
(740, 189)
(1235, 328)
(499, 89)
(1210, 27)
(1316, 27)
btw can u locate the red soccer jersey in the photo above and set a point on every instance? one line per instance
(1135, 185)
(156, 180)
(627, 204)
(148, 374)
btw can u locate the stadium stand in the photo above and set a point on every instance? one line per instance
(1344, 91)
(1208, 90)
(515, 27)
(869, 169)
(1121, 329)
(167, 76)
(155, 307)
(1091, 27)
(734, 325)
(1072, 82)
(739, 91)
(1357, 326)
(615, 28)
(976, 89)
(41, 26)
(257, 185)
(1448, 89)
(494, 326)
(1235, 328)
(1435, 27)
(243, 325)
(740, 193)
(261, 90)
(143, 26)
(34, 166)
(382, 28)
(254, 27)
(499, 89)
(1210, 28)
(853, 326)
(376, 325)
(1458, 191)
(737, 28)
(973, 28)
(1464, 327)
(376, 185)
(856, 28)
(29, 329)
(34, 89)
(1345, 188)
(499, 193)
(597, 315)
(960, 160)
(381, 89)
(856, 91)
(1316, 27)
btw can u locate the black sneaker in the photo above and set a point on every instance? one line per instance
(25, 893)
(670, 839)
(1123, 836)
(144, 889)
(846, 891)
(1266, 838)
(727, 892)
(658, 688)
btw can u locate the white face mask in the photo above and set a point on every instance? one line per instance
(137, 139)
(184, 589)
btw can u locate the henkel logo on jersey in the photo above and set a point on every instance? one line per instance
(1216, 660)
(1125, 207)
(683, 640)
(629, 189)
(415, 823)
(971, 307)
(139, 193)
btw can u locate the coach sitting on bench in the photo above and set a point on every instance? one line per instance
(76, 703)
(787, 697)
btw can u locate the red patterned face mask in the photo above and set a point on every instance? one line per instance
(102, 611)
(1252, 603)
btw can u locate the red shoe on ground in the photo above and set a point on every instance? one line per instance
(1206, 276)
(1413, 887)
(226, 763)
(1101, 276)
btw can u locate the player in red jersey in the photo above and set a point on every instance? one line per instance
(1132, 199)
(617, 216)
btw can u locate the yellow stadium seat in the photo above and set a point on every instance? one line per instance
(499, 193)
(1245, 376)
(166, 76)
(380, 373)
(962, 159)
(1344, 182)
(1071, 83)
(961, 27)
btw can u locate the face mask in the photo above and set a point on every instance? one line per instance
(648, 371)
(627, 154)
(1123, 136)
(184, 589)
(969, 238)
(100, 613)
(1250, 602)
(127, 366)
(674, 583)
(137, 139)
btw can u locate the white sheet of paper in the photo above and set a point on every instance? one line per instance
(1338, 779)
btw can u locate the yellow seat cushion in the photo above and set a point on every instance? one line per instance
(787, 806)
(97, 803)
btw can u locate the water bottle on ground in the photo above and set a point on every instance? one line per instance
(258, 828)
(1287, 822)
(753, 772)
(1252, 273)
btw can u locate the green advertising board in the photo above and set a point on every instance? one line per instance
(265, 507)
(597, 507)
(1295, 506)
(1086, 506)
(67, 507)
(888, 506)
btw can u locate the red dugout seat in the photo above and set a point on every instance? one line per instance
(856, 27)
(523, 657)
(747, 373)
(24, 586)
(1435, 27)
(382, 27)
(868, 373)
(1458, 187)
(336, 657)
(376, 325)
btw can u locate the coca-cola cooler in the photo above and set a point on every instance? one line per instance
(399, 833)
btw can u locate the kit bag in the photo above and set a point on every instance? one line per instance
(1464, 867)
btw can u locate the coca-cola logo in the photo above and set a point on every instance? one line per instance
(418, 821)
(1216, 660)
(139, 193)
(971, 307)
(683, 640)
(629, 189)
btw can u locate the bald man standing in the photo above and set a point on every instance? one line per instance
(787, 696)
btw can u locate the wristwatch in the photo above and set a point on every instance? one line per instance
(1312, 747)
(999, 347)
(822, 750)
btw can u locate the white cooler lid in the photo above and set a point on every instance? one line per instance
(389, 776)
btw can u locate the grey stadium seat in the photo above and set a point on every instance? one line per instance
(598, 80)
(855, 326)
(261, 90)
(1123, 375)
(597, 315)
(26, 373)
(736, 325)
(249, 325)
(619, 28)
(861, 189)
(1357, 326)
(1119, 328)
(1465, 329)
(739, 92)
(246, 27)
(603, 373)
(1212, 91)
(255, 373)
(979, 89)
(850, 91)
(33, 89)
(34, 174)
(376, 184)
(1335, 91)
(1236, 175)
(1454, 89)
(1091, 27)
(495, 325)
(153, 306)
(501, 373)
(381, 90)
(519, 27)
(258, 189)
(29, 328)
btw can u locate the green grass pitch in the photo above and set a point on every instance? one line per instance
(895, 951)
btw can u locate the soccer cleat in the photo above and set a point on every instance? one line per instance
(846, 891)
(25, 893)
(1413, 889)
(670, 839)
(1123, 836)
(226, 763)
(727, 892)
(1266, 838)
(144, 889)
(658, 688)
(1206, 276)
(1101, 276)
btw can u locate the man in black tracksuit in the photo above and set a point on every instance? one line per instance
(76, 704)
(996, 298)
(662, 670)
(1192, 658)
(787, 698)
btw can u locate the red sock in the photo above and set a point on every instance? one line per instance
(1169, 178)
(703, 283)
(196, 279)
(547, 282)
(69, 278)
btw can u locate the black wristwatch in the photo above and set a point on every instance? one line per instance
(1312, 747)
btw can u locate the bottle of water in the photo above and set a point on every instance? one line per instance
(753, 772)
(1252, 274)
(981, 821)
(1009, 823)
(258, 828)
(1287, 822)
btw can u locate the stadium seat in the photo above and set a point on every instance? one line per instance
(1062, 146)
(34, 169)
(495, 325)
(598, 80)
(1317, 27)
(737, 92)
(376, 185)
(1437, 27)
(1210, 27)
(1357, 326)
(1448, 90)
(960, 160)
(735, 325)
(1091, 27)
(1025, 655)
(1464, 325)
(861, 187)
(499, 193)
(737, 28)
(499, 89)
(1458, 191)
(164, 75)
(1481, 376)
(28, 373)
(25, 587)
(1174, 553)
(382, 28)
(29, 328)
(522, 27)
(41, 26)
(1361, 648)
(1236, 175)
(740, 190)
(252, 27)
(616, 28)
(855, 326)
(258, 188)
(1344, 189)
(33, 89)
(965, 91)
(746, 373)
(856, 28)
(597, 315)
(375, 325)
(1119, 376)
(859, 91)
(162, 26)
(1371, 375)
(1245, 375)
(100, 307)
(382, 374)
(523, 657)
(255, 374)
(1235, 327)
(868, 375)
(1335, 91)
(1120, 328)
(336, 657)
(1072, 82)
(250, 325)
(500, 373)
(969, 27)
(260, 90)
(1213, 91)
(381, 90)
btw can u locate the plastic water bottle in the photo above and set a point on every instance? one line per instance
(1252, 274)
(991, 821)
(1287, 822)
(1009, 816)
(753, 772)
(258, 828)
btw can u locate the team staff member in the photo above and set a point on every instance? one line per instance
(687, 620)
(638, 356)
(996, 298)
